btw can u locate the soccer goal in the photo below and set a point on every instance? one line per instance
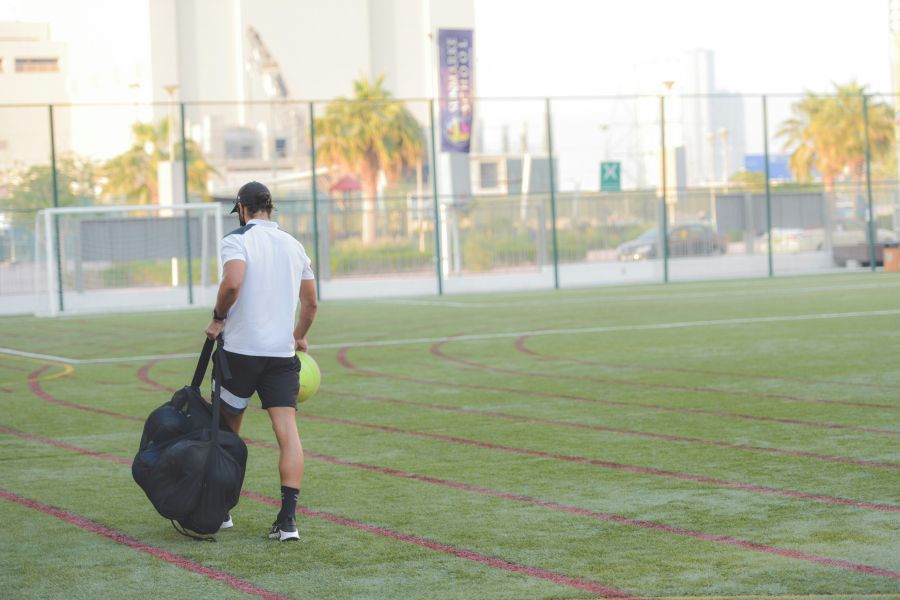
(114, 258)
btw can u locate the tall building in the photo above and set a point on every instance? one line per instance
(31, 66)
(713, 128)
(252, 52)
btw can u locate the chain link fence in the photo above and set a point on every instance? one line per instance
(555, 192)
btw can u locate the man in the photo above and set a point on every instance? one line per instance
(266, 271)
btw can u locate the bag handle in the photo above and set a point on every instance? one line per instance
(200, 371)
(220, 372)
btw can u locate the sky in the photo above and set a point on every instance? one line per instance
(583, 47)
(564, 47)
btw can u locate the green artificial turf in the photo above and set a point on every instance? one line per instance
(494, 446)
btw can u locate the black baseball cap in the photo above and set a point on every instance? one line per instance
(252, 191)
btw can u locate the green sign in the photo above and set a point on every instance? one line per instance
(610, 177)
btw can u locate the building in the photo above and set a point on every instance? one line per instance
(266, 56)
(712, 120)
(31, 66)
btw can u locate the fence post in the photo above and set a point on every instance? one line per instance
(315, 193)
(552, 195)
(187, 214)
(768, 188)
(437, 213)
(664, 210)
(872, 229)
(59, 281)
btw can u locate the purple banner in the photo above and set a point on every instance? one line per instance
(456, 89)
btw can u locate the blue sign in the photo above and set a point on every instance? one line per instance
(456, 88)
(779, 168)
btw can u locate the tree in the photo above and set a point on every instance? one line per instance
(31, 188)
(827, 133)
(368, 135)
(134, 173)
(753, 181)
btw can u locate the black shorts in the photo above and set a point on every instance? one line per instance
(275, 379)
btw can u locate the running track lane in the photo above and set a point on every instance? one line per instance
(618, 519)
(144, 375)
(520, 346)
(628, 432)
(464, 553)
(747, 487)
(436, 350)
(36, 387)
(181, 562)
(345, 362)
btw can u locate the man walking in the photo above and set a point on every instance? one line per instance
(266, 271)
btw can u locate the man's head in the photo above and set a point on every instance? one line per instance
(252, 199)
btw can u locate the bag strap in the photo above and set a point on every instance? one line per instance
(186, 533)
(202, 363)
(220, 372)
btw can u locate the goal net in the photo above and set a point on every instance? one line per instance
(114, 258)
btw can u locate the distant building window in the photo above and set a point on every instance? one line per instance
(489, 175)
(37, 65)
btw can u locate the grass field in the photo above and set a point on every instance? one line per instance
(718, 440)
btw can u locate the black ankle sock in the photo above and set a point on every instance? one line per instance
(288, 502)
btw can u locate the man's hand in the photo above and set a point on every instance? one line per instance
(301, 344)
(214, 329)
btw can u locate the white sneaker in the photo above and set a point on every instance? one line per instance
(285, 530)
(227, 523)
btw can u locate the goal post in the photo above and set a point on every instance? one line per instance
(95, 259)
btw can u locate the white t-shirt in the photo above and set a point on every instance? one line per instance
(261, 321)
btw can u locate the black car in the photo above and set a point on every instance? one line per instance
(687, 239)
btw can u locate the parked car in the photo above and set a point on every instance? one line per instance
(789, 240)
(850, 241)
(687, 239)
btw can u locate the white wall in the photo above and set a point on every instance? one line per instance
(25, 131)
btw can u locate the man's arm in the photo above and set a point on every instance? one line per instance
(308, 308)
(229, 288)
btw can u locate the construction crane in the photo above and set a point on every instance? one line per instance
(286, 123)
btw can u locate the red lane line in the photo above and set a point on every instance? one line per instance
(342, 358)
(181, 562)
(628, 432)
(520, 345)
(708, 537)
(36, 388)
(47, 441)
(142, 375)
(436, 351)
(618, 519)
(497, 563)
(747, 487)
(594, 462)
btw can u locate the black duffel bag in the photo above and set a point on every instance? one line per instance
(192, 471)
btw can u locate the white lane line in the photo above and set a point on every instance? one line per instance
(498, 335)
(644, 297)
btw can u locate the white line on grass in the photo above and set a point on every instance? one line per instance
(634, 297)
(498, 335)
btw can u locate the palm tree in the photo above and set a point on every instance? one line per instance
(368, 135)
(134, 172)
(827, 133)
